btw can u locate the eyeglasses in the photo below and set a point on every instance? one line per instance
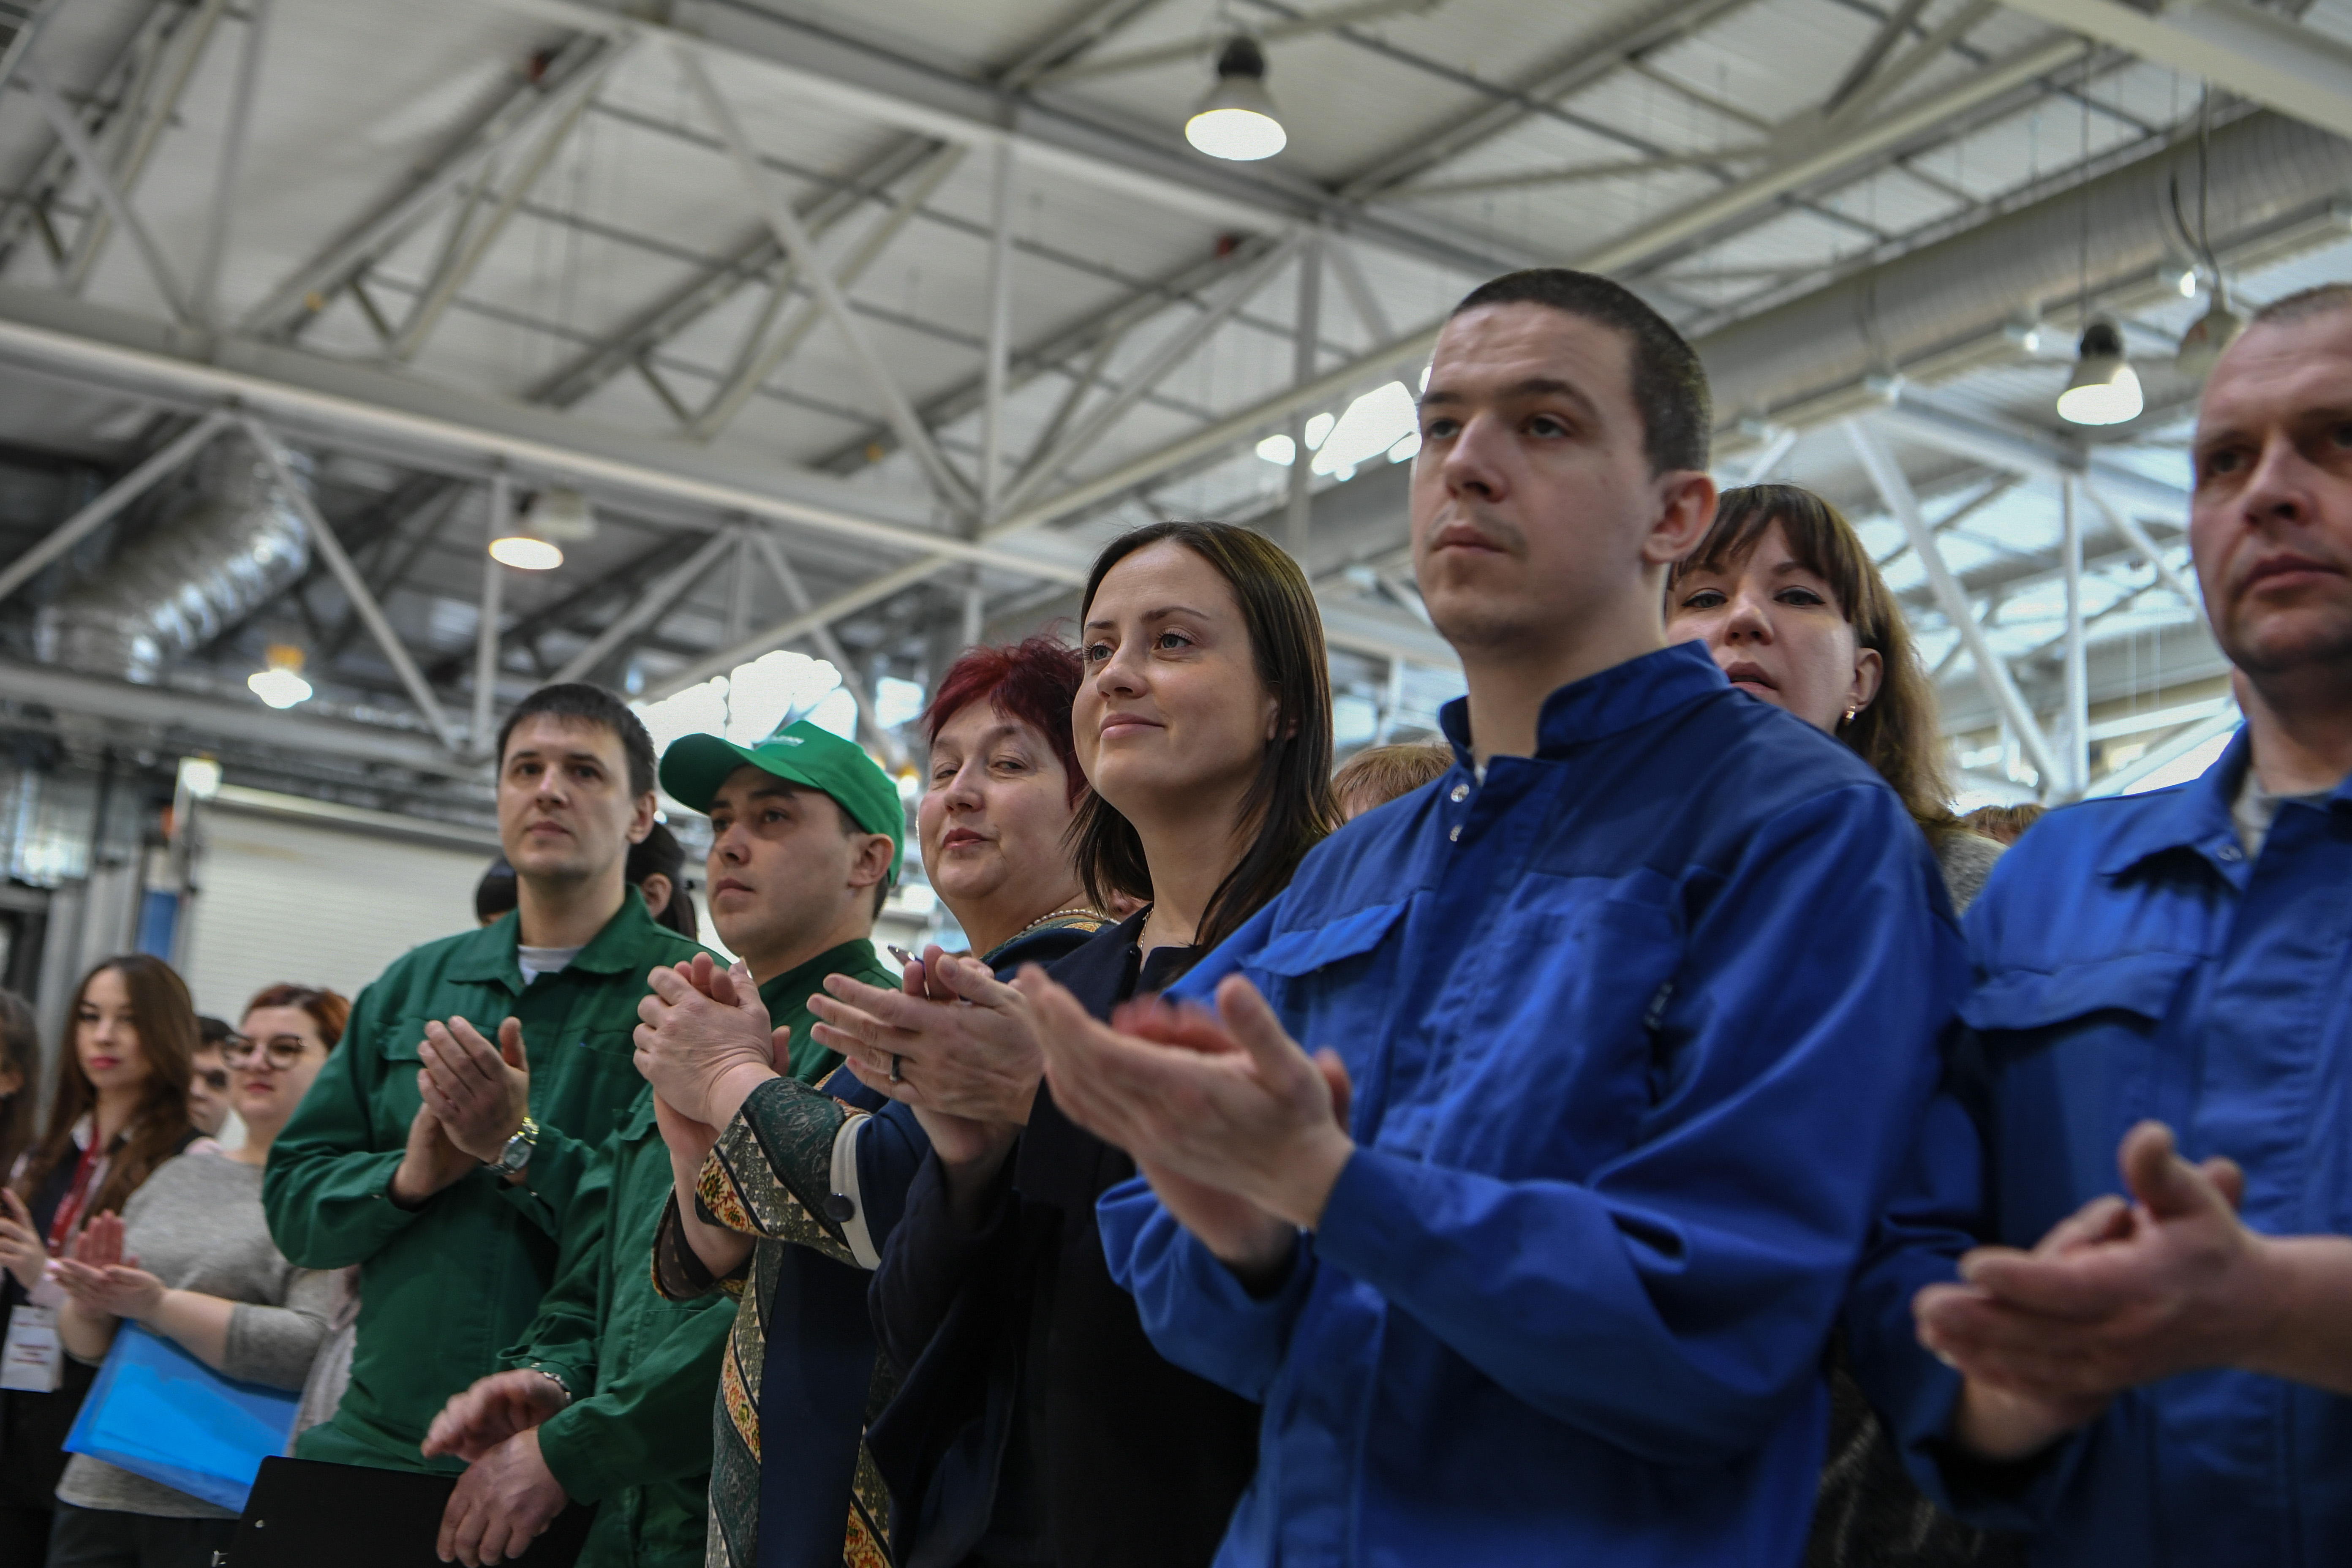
(282, 1051)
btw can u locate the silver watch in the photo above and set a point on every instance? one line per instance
(517, 1153)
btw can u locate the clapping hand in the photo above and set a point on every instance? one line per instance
(703, 1040)
(23, 1253)
(479, 1092)
(104, 1281)
(493, 1410)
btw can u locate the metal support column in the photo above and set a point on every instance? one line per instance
(2078, 678)
(206, 300)
(1299, 512)
(1992, 671)
(1000, 336)
(486, 628)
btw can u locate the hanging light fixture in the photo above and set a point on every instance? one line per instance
(279, 681)
(2104, 389)
(1237, 121)
(2208, 335)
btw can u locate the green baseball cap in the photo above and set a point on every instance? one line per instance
(695, 765)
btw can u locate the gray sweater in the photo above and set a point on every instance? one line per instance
(196, 1225)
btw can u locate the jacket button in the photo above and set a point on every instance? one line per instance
(839, 1208)
(2232, 852)
(1461, 792)
(1454, 833)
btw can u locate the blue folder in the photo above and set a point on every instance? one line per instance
(158, 1412)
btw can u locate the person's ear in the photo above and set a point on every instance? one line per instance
(872, 862)
(641, 818)
(657, 892)
(1869, 674)
(1685, 512)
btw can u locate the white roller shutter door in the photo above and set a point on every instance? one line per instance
(316, 901)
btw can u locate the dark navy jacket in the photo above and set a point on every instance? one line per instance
(2131, 962)
(1639, 1029)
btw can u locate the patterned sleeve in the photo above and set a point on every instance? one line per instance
(776, 1172)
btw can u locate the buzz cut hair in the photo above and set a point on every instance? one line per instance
(2304, 303)
(1669, 383)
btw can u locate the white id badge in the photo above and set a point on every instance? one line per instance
(32, 1359)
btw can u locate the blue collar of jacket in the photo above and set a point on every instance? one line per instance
(490, 953)
(1607, 702)
(2195, 817)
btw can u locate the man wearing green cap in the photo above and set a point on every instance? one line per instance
(609, 1391)
(774, 1170)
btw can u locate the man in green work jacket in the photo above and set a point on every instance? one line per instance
(611, 1393)
(445, 1145)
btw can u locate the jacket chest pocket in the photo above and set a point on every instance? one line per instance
(1337, 978)
(2071, 1058)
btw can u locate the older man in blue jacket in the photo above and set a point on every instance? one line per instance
(1629, 1020)
(2164, 1379)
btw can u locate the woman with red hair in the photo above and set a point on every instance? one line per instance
(1003, 788)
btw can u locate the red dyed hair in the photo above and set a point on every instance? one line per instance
(1035, 680)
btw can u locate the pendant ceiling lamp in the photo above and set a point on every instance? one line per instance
(2104, 389)
(1237, 121)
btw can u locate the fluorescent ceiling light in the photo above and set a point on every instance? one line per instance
(526, 552)
(1369, 427)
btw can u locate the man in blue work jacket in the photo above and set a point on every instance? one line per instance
(1629, 1019)
(2163, 979)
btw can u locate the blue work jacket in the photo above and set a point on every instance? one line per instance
(1639, 1027)
(2131, 962)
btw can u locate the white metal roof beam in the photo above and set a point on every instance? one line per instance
(2263, 55)
(576, 75)
(796, 241)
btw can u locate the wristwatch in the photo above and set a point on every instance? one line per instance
(517, 1153)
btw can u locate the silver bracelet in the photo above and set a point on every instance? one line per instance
(551, 1377)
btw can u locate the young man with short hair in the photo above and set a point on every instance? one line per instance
(807, 835)
(1625, 1026)
(2162, 984)
(443, 1148)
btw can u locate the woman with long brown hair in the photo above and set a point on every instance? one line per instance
(1797, 615)
(1035, 1423)
(189, 1259)
(1789, 601)
(118, 1109)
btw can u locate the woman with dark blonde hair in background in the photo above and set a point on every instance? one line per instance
(1797, 615)
(189, 1259)
(118, 1109)
(1795, 612)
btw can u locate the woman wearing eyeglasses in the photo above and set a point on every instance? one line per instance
(190, 1259)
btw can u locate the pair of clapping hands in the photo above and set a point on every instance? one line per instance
(2120, 1293)
(476, 1095)
(1242, 1132)
(94, 1272)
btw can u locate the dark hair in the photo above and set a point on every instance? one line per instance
(1669, 384)
(328, 1009)
(589, 704)
(1897, 733)
(166, 1020)
(1379, 774)
(496, 893)
(20, 1050)
(2304, 303)
(1289, 804)
(660, 854)
(1033, 681)
(211, 1033)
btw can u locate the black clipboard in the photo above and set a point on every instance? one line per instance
(302, 1513)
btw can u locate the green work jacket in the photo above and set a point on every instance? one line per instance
(642, 1370)
(446, 1287)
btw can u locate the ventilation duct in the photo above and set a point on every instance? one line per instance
(2264, 170)
(230, 547)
